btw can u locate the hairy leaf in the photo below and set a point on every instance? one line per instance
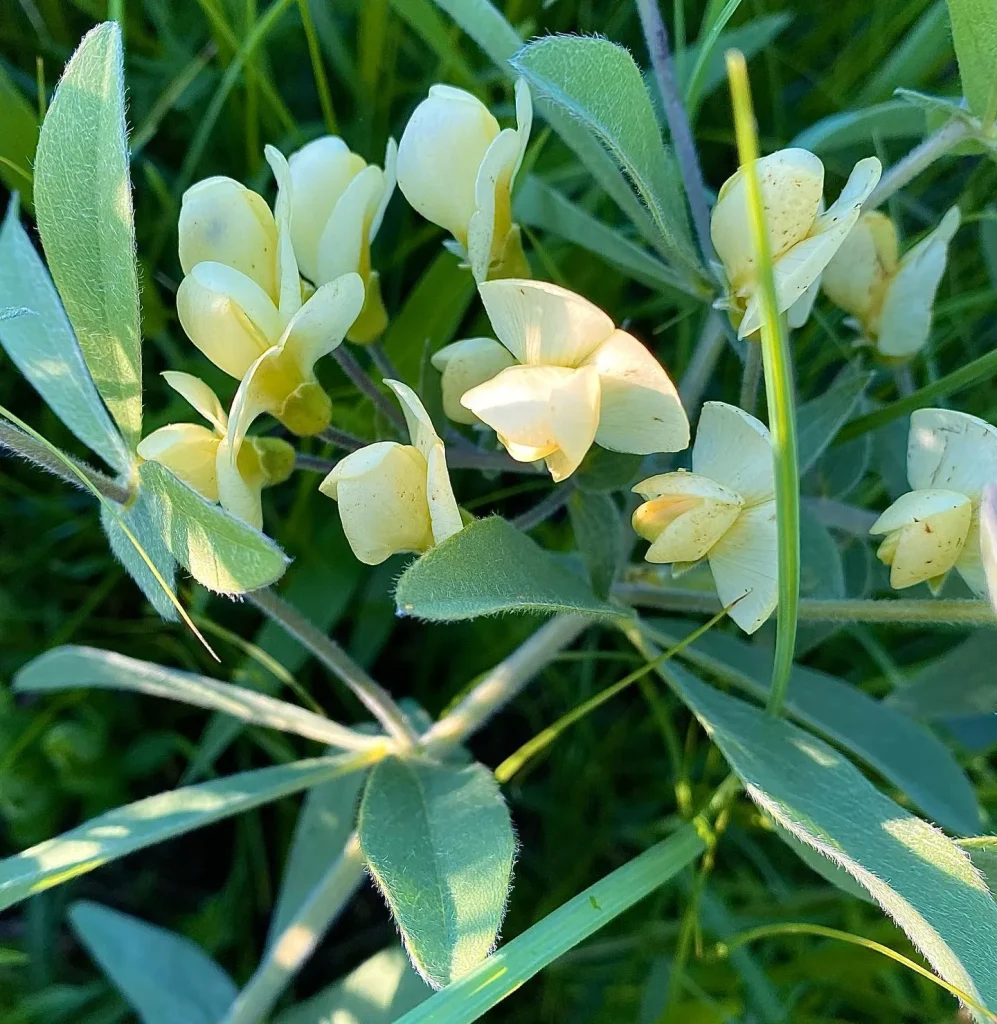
(974, 32)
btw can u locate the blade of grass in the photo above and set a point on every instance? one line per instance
(694, 85)
(318, 69)
(778, 391)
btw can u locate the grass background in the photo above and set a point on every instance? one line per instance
(605, 790)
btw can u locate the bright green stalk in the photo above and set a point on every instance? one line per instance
(778, 391)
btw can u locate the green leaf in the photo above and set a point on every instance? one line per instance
(142, 518)
(221, 552)
(421, 16)
(379, 991)
(573, 72)
(960, 682)
(438, 842)
(822, 574)
(538, 205)
(156, 818)
(982, 852)
(18, 139)
(974, 33)
(84, 206)
(43, 347)
(603, 471)
(70, 668)
(165, 977)
(891, 120)
(818, 863)
(490, 567)
(598, 529)
(821, 418)
(907, 754)
(529, 953)
(916, 874)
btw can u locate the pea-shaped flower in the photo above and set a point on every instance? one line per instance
(457, 168)
(951, 457)
(248, 317)
(200, 455)
(396, 497)
(724, 511)
(464, 365)
(578, 380)
(802, 239)
(890, 298)
(337, 204)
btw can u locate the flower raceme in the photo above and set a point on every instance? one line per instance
(457, 168)
(200, 456)
(241, 300)
(396, 497)
(890, 298)
(802, 239)
(337, 205)
(951, 457)
(724, 511)
(576, 379)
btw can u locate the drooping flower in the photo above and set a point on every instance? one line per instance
(337, 205)
(577, 380)
(951, 457)
(802, 239)
(200, 455)
(890, 298)
(464, 365)
(724, 511)
(457, 168)
(396, 497)
(246, 314)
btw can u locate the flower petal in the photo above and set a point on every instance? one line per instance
(735, 449)
(952, 450)
(905, 319)
(543, 324)
(288, 278)
(390, 181)
(574, 415)
(188, 451)
(420, 426)
(464, 365)
(345, 243)
(970, 565)
(799, 312)
(263, 389)
(227, 316)
(444, 513)
(237, 494)
(320, 172)
(200, 397)
(319, 327)
(222, 221)
(439, 155)
(641, 410)
(490, 223)
(744, 563)
(855, 277)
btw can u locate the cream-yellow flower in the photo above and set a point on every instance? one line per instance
(802, 239)
(890, 298)
(396, 497)
(464, 365)
(337, 205)
(457, 168)
(578, 380)
(268, 339)
(199, 456)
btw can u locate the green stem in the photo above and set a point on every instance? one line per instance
(751, 377)
(370, 693)
(318, 69)
(778, 392)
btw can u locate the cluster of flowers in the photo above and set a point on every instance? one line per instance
(267, 294)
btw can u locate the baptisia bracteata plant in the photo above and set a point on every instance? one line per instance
(577, 380)
(889, 298)
(802, 236)
(457, 168)
(935, 527)
(723, 511)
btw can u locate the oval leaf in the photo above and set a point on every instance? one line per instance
(438, 842)
(974, 33)
(83, 201)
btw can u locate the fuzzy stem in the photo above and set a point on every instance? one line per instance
(545, 507)
(920, 158)
(697, 374)
(382, 361)
(349, 365)
(751, 376)
(19, 443)
(343, 439)
(370, 693)
(656, 36)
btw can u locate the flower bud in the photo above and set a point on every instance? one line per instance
(859, 271)
(925, 531)
(683, 515)
(802, 239)
(222, 221)
(464, 365)
(457, 168)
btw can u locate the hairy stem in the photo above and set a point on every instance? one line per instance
(344, 439)
(920, 158)
(296, 943)
(383, 362)
(25, 446)
(545, 507)
(751, 377)
(697, 374)
(370, 693)
(349, 365)
(656, 36)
